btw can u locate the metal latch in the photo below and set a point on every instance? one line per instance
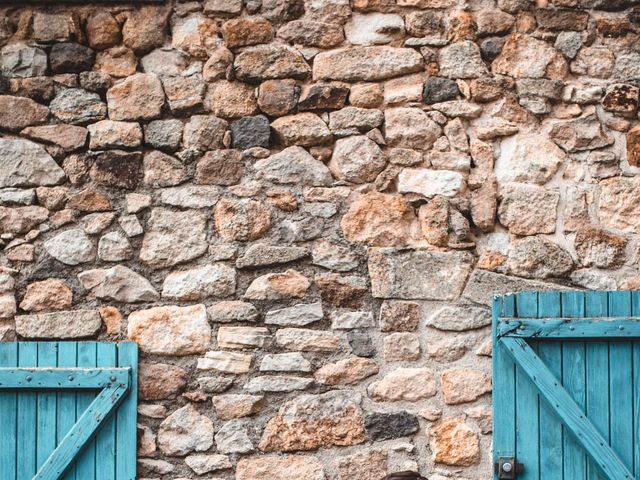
(508, 468)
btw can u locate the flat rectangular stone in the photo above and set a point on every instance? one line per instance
(418, 274)
(17, 196)
(242, 337)
(227, 362)
(285, 362)
(298, 315)
(306, 340)
(63, 324)
(483, 285)
(351, 320)
(273, 383)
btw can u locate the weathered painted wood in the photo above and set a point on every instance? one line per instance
(126, 445)
(65, 410)
(586, 328)
(551, 430)
(86, 463)
(504, 394)
(573, 379)
(635, 310)
(67, 358)
(527, 426)
(47, 406)
(85, 428)
(106, 438)
(26, 417)
(597, 379)
(620, 385)
(568, 410)
(8, 409)
(60, 378)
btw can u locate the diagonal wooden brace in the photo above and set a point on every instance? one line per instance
(567, 410)
(85, 428)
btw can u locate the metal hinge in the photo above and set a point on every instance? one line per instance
(507, 468)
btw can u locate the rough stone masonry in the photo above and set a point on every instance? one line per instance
(300, 210)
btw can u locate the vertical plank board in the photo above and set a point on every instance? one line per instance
(597, 369)
(573, 379)
(8, 410)
(106, 438)
(27, 403)
(635, 311)
(504, 387)
(620, 384)
(86, 464)
(67, 357)
(551, 430)
(527, 431)
(127, 416)
(47, 406)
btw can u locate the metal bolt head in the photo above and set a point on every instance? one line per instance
(112, 378)
(71, 378)
(621, 328)
(507, 467)
(29, 378)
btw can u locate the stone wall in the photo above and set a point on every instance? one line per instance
(300, 210)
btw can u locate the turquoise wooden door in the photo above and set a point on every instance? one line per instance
(567, 386)
(68, 410)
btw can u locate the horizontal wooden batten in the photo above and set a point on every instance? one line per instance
(561, 328)
(62, 378)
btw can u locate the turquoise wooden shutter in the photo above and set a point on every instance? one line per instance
(68, 410)
(566, 372)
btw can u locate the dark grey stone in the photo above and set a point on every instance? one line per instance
(164, 134)
(385, 426)
(490, 48)
(439, 89)
(608, 5)
(217, 384)
(95, 81)
(250, 132)
(71, 58)
(361, 344)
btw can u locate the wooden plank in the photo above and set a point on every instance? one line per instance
(635, 310)
(60, 378)
(597, 379)
(47, 406)
(85, 428)
(573, 379)
(26, 422)
(551, 430)
(86, 463)
(568, 410)
(106, 438)
(504, 387)
(126, 429)
(620, 385)
(527, 424)
(8, 411)
(570, 328)
(67, 358)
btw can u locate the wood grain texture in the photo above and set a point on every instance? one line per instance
(574, 388)
(54, 399)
